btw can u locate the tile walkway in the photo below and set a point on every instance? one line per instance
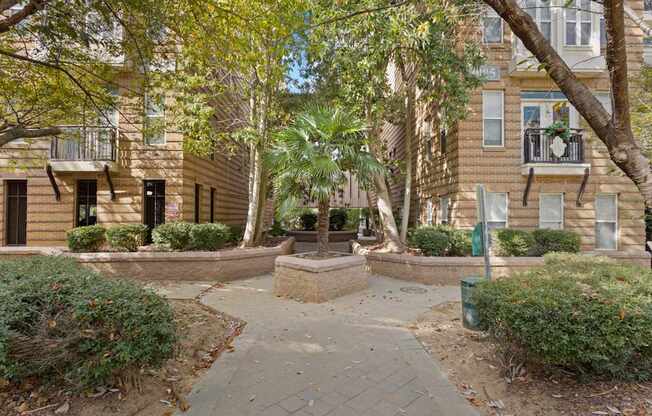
(350, 357)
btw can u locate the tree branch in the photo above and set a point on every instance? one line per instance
(30, 8)
(18, 132)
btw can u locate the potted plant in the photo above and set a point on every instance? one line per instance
(558, 129)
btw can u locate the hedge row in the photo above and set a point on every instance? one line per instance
(444, 240)
(172, 236)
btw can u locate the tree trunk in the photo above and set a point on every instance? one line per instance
(615, 131)
(372, 216)
(408, 84)
(391, 237)
(255, 173)
(323, 223)
(262, 203)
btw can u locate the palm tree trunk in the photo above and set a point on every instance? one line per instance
(323, 222)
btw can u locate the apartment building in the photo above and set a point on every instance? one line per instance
(533, 180)
(113, 170)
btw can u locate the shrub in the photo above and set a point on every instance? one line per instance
(308, 221)
(84, 239)
(511, 242)
(430, 240)
(173, 235)
(277, 230)
(353, 219)
(338, 217)
(209, 237)
(590, 315)
(65, 324)
(236, 232)
(459, 241)
(548, 241)
(127, 237)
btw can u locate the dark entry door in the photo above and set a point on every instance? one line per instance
(86, 202)
(16, 213)
(154, 195)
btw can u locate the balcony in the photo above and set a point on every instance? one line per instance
(84, 149)
(552, 155)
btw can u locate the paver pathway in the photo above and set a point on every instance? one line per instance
(350, 357)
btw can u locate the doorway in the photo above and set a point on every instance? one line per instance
(86, 202)
(16, 212)
(154, 201)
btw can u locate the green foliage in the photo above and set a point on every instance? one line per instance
(209, 237)
(589, 315)
(277, 230)
(457, 242)
(173, 235)
(548, 241)
(353, 219)
(308, 221)
(86, 239)
(430, 240)
(126, 237)
(338, 218)
(512, 242)
(67, 325)
(236, 232)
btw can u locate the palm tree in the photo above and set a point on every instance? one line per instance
(312, 157)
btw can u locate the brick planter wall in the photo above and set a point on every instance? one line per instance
(449, 270)
(317, 281)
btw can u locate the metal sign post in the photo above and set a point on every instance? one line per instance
(482, 215)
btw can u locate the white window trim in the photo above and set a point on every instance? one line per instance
(563, 206)
(440, 210)
(147, 116)
(429, 211)
(502, 120)
(579, 12)
(595, 211)
(492, 13)
(506, 207)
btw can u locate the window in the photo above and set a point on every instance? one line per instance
(86, 202)
(443, 210)
(212, 204)
(606, 222)
(442, 141)
(496, 205)
(539, 10)
(154, 120)
(605, 100)
(429, 211)
(427, 134)
(197, 202)
(647, 5)
(603, 33)
(492, 118)
(492, 27)
(551, 211)
(578, 23)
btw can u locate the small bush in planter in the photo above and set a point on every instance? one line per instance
(127, 237)
(236, 232)
(548, 241)
(308, 221)
(67, 325)
(589, 315)
(277, 230)
(459, 241)
(430, 240)
(513, 243)
(209, 237)
(86, 239)
(338, 217)
(173, 235)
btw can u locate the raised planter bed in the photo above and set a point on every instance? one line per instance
(333, 236)
(216, 266)
(450, 270)
(304, 278)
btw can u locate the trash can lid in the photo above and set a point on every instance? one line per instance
(472, 280)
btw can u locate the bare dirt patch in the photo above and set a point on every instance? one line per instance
(204, 334)
(472, 364)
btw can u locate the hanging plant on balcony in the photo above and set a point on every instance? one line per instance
(558, 129)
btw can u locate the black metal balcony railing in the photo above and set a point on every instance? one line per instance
(85, 143)
(537, 147)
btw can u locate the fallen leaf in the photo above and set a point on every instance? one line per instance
(63, 409)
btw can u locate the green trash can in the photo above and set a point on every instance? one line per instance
(470, 318)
